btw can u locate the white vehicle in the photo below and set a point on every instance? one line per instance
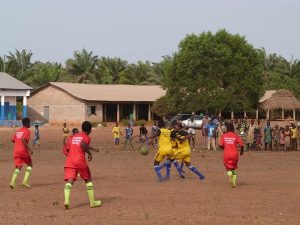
(197, 119)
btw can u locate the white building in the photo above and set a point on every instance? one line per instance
(10, 90)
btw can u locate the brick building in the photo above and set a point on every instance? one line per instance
(58, 102)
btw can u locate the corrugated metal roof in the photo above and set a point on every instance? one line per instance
(9, 82)
(112, 92)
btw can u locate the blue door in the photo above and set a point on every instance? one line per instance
(6, 110)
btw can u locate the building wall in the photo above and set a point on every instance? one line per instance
(99, 110)
(62, 106)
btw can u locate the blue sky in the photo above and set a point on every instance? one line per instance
(142, 29)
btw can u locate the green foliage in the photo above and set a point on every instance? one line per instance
(215, 72)
(209, 72)
(124, 122)
(279, 73)
(162, 107)
(111, 69)
(140, 122)
(83, 66)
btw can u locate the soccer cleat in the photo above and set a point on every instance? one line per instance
(26, 185)
(95, 204)
(67, 206)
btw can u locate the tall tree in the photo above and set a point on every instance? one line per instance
(18, 63)
(111, 69)
(83, 66)
(215, 72)
(143, 73)
(42, 73)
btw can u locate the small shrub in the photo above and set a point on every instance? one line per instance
(140, 122)
(124, 122)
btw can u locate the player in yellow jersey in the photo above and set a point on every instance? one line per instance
(164, 150)
(183, 151)
(117, 132)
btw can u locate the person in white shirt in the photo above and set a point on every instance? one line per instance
(191, 125)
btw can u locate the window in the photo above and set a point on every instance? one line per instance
(93, 110)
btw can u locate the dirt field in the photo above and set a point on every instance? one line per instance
(268, 189)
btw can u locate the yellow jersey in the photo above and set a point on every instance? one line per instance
(116, 132)
(183, 146)
(164, 141)
(294, 133)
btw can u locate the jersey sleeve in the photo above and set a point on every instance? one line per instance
(26, 135)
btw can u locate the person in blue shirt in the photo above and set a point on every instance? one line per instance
(211, 134)
(128, 135)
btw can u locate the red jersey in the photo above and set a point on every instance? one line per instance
(229, 142)
(67, 146)
(19, 149)
(76, 155)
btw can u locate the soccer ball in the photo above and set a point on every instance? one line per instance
(144, 151)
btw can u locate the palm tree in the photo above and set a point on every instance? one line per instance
(18, 63)
(111, 69)
(83, 66)
(143, 73)
(1, 64)
(42, 73)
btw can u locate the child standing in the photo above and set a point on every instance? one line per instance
(276, 137)
(77, 164)
(144, 133)
(287, 138)
(66, 132)
(128, 135)
(36, 139)
(282, 138)
(117, 132)
(258, 136)
(22, 153)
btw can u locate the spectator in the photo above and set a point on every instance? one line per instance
(287, 138)
(250, 135)
(211, 134)
(268, 136)
(204, 130)
(276, 137)
(294, 136)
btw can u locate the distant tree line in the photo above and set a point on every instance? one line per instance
(209, 72)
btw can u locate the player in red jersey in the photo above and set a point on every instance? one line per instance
(22, 153)
(229, 142)
(77, 164)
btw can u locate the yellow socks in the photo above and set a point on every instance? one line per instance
(232, 177)
(13, 179)
(68, 188)
(26, 177)
(90, 191)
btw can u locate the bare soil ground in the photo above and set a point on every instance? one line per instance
(268, 189)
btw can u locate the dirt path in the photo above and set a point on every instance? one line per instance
(268, 189)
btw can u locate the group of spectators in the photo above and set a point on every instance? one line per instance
(254, 134)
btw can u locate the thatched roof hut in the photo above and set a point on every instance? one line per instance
(279, 99)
